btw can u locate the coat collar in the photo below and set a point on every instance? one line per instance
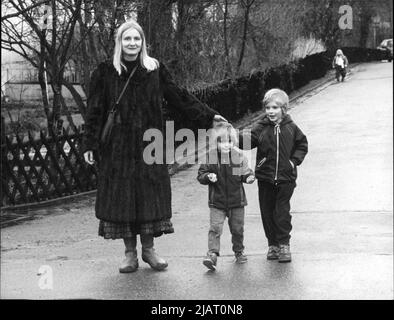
(139, 76)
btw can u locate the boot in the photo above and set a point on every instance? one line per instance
(130, 263)
(149, 255)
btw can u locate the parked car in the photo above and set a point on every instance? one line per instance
(387, 46)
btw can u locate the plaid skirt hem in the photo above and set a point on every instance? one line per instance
(114, 230)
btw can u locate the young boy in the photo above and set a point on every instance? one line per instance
(281, 147)
(224, 175)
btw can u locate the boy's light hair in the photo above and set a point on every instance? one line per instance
(223, 132)
(277, 95)
(339, 52)
(146, 61)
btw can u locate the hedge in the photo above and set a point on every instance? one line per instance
(235, 98)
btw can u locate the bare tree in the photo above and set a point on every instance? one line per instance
(47, 46)
(321, 21)
(246, 4)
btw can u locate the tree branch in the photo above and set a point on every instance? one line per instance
(12, 15)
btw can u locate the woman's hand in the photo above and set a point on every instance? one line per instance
(218, 118)
(88, 155)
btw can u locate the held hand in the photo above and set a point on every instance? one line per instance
(250, 179)
(88, 155)
(218, 118)
(212, 177)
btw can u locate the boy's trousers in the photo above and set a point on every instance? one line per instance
(275, 211)
(236, 218)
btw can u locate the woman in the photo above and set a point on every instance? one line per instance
(132, 196)
(340, 64)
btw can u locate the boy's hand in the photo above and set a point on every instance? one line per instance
(212, 177)
(250, 179)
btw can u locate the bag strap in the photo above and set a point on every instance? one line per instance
(124, 89)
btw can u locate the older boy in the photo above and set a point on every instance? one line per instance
(281, 147)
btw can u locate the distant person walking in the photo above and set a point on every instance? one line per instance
(340, 64)
(134, 197)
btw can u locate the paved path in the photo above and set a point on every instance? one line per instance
(342, 240)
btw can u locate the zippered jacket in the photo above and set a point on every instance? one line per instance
(277, 145)
(228, 191)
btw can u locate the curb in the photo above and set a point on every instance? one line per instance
(23, 208)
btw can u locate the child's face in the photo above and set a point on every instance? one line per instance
(225, 145)
(274, 111)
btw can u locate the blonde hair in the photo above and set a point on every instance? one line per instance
(339, 52)
(277, 95)
(146, 61)
(224, 131)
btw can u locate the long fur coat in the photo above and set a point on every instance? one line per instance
(129, 190)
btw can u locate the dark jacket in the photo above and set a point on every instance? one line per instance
(129, 190)
(293, 146)
(228, 191)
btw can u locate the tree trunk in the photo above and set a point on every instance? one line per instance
(43, 81)
(57, 92)
(77, 97)
(226, 51)
(244, 37)
(365, 23)
(155, 17)
(68, 114)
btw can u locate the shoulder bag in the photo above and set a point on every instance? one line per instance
(108, 126)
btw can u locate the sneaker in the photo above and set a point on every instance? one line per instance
(240, 257)
(273, 253)
(210, 261)
(284, 253)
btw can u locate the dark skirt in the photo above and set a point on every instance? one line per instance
(121, 230)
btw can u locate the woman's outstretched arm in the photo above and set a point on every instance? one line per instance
(185, 102)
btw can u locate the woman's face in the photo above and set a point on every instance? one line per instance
(131, 44)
